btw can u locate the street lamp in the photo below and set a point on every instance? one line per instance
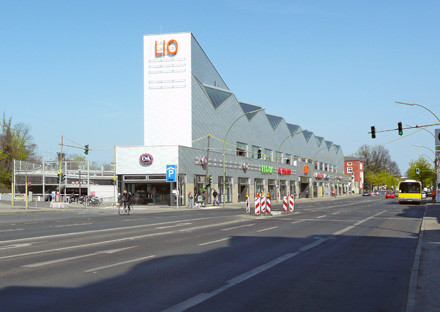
(224, 142)
(416, 145)
(414, 104)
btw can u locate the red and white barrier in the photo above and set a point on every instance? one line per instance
(263, 204)
(257, 206)
(285, 204)
(248, 205)
(268, 204)
(291, 203)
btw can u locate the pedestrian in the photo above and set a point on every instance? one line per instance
(190, 200)
(215, 194)
(126, 199)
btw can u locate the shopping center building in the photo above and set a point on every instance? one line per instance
(194, 121)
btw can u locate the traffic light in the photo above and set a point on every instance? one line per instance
(58, 178)
(399, 127)
(417, 171)
(259, 154)
(63, 177)
(86, 149)
(373, 132)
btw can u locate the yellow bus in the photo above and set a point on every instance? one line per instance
(410, 191)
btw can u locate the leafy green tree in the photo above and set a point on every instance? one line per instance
(426, 171)
(15, 143)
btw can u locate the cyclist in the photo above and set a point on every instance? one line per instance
(126, 199)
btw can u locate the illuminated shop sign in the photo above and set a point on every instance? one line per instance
(284, 171)
(266, 169)
(145, 159)
(163, 48)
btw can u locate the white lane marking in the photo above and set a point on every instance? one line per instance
(321, 217)
(131, 238)
(239, 226)
(116, 264)
(111, 251)
(11, 230)
(214, 242)
(241, 278)
(348, 228)
(74, 224)
(205, 296)
(15, 246)
(268, 229)
(337, 212)
(174, 225)
(96, 231)
(294, 222)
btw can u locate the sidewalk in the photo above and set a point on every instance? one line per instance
(425, 288)
(19, 206)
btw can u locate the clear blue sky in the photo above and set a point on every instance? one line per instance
(75, 68)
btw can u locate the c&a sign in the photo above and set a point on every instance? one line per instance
(164, 47)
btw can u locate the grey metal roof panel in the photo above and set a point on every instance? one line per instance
(274, 120)
(307, 134)
(246, 107)
(217, 96)
(292, 128)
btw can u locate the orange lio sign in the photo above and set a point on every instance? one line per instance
(306, 169)
(169, 47)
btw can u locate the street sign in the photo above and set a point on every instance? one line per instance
(171, 173)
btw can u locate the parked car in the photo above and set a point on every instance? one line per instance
(367, 193)
(389, 194)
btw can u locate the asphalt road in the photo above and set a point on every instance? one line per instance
(348, 255)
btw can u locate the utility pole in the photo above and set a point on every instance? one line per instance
(60, 170)
(207, 172)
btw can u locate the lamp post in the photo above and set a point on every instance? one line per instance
(438, 119)
(224, 142)
(414, 104)
(278, 152)
(417, 145)
(313, 165)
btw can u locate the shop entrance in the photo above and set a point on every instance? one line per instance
(243, 189)
(304, 190)
(149, 193)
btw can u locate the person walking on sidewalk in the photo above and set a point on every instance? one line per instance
(215, 194)
(190, 200)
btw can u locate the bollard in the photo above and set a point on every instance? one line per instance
(291, 204)
(285, 204)
(248, 206)
(257, 206)
(263, 204)
(268, 203)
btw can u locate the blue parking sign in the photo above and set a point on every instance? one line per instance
(171, 173)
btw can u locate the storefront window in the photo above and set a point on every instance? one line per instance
(225, 191)
(288, 159)
(241, 149)
(283, 188)
(259, 186)
(271, 188)
(199, 189)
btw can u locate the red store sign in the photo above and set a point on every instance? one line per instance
(284, 171)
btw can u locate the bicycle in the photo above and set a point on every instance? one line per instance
(123, 209)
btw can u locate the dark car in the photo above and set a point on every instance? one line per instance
(367, 193)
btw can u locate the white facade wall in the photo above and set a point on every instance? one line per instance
(167, 89)
(127, 159)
